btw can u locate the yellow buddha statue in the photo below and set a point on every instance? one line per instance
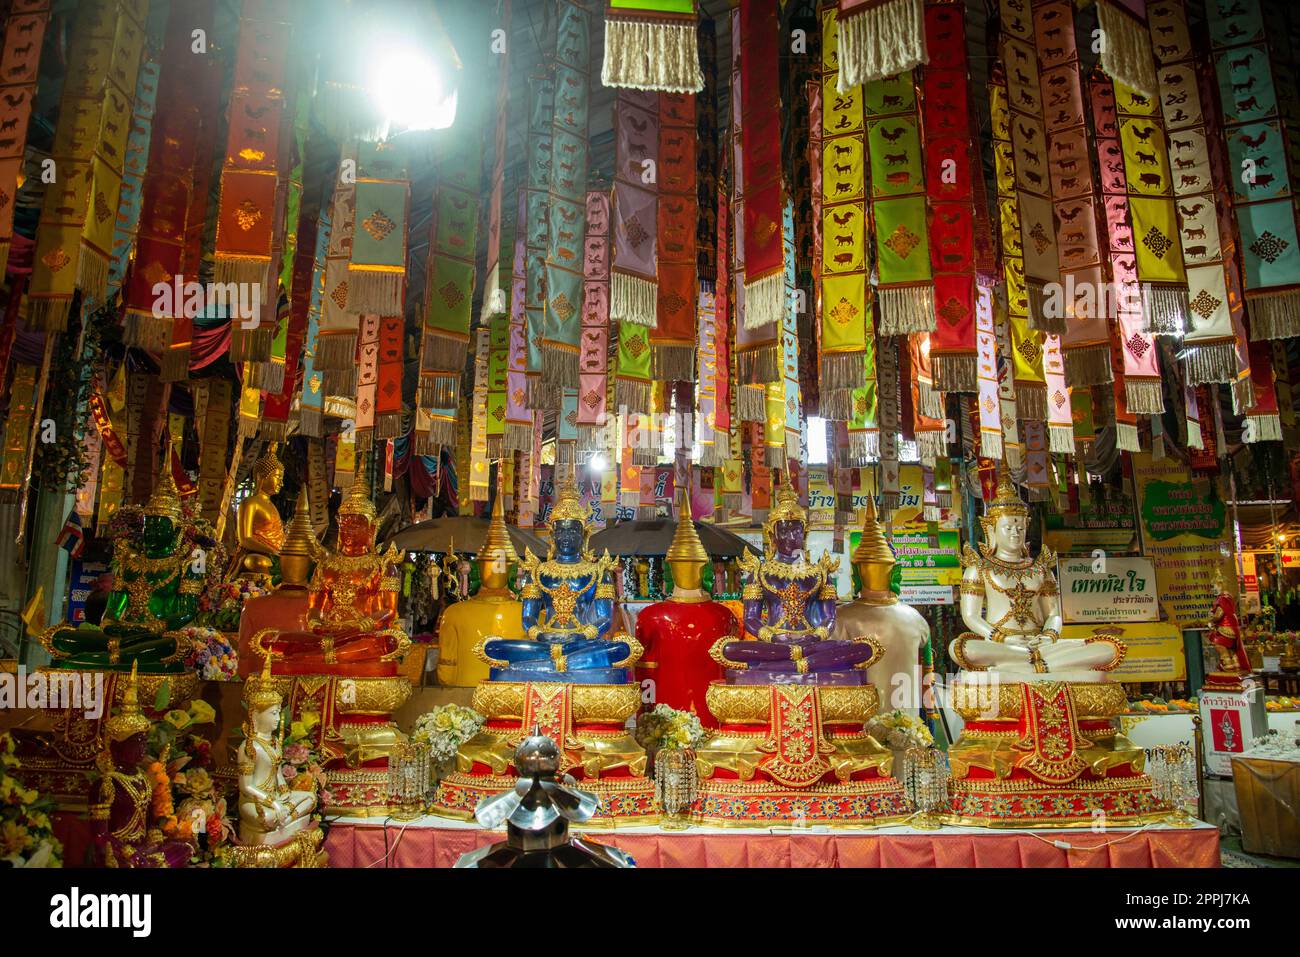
(492, 611)
(900, 629)
(261, 533)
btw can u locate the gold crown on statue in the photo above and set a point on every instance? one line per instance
(262, 692)
(686, 545)
(787, 507)
(1007, 500)
(497, 541)
(269, 463)
(131, 719)
(166, 499)
(568, 506)
(358, 500)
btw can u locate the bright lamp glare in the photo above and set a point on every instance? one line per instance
(598, 463)
(409, 91)
(816, 440)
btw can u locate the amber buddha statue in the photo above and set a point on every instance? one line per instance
(156, 586)
(261, 533)
(492, 611)
(123, 828)
(901, 630)
(352, 603)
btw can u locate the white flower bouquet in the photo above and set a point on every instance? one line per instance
(665, 728)
(444, 729)
(899, 730)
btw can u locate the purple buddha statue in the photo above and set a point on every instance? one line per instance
(789, 605)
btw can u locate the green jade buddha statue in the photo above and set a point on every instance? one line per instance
(156, 587)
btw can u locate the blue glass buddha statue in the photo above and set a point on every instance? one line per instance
(568, 609)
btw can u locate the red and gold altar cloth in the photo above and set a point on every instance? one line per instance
(589, 724)
(795, 754)
(436, 842)
(1047, 754)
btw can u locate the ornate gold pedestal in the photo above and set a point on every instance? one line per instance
(794, 755)
(586, 721)
(301, 850)
(1045, 754)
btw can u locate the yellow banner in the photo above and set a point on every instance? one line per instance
(1155, 650)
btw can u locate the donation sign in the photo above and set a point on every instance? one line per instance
(1106, 590)
(1184, 532)
(1154, 650)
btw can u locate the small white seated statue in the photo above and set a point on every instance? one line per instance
(270, 812)
(1010, 603)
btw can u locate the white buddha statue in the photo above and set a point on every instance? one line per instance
(270, 812)
(1010, 603)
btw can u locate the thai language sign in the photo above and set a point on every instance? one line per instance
(1105, 590)
(1184, 533)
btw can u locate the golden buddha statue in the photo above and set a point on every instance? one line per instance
(270, 812)
(1011, 604)
(492, 611)
(261, 533)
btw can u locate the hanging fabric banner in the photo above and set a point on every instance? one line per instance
(1209, 342)
(634, 279)
(905, 294)
(377, 266)
(1074, 304)
(887, 379)
(1263, 422)
(74, 236)
(367, 381)
(186, 85)
(311, 411)
(1126, 45)
(1027, 136)
(1008, 394)
(842, 221)
(1136, 347)
(760, 118)
(1060, 420)
(791, 402)
(278, 403)
(1022, 350)
(246, 222)
(880, 38)
(336, 343)
(593, 361)
(24, 32)
(706, 376)
(1162, 279)
(949, 143)
(990, 417)
(1263, 197)
(928, 421)
(568, 200)
(498, 378)
(134, 165)
(480, 452)
(722, 353)
(864, 427)
(449, 290)
(537, 191)
(518, 433)
(675, 332)
(494, 294)
(650, 45)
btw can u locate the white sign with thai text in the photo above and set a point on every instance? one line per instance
(1100, 590)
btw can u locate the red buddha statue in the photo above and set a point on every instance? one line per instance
(678, 633)
(1225, 634)
(122, 826)
(351, 604)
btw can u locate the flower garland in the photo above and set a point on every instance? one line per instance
(897, 729)
(667, 729)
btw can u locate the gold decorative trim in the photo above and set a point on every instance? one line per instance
(598, 703)
(1002, 700)
(751, 704)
